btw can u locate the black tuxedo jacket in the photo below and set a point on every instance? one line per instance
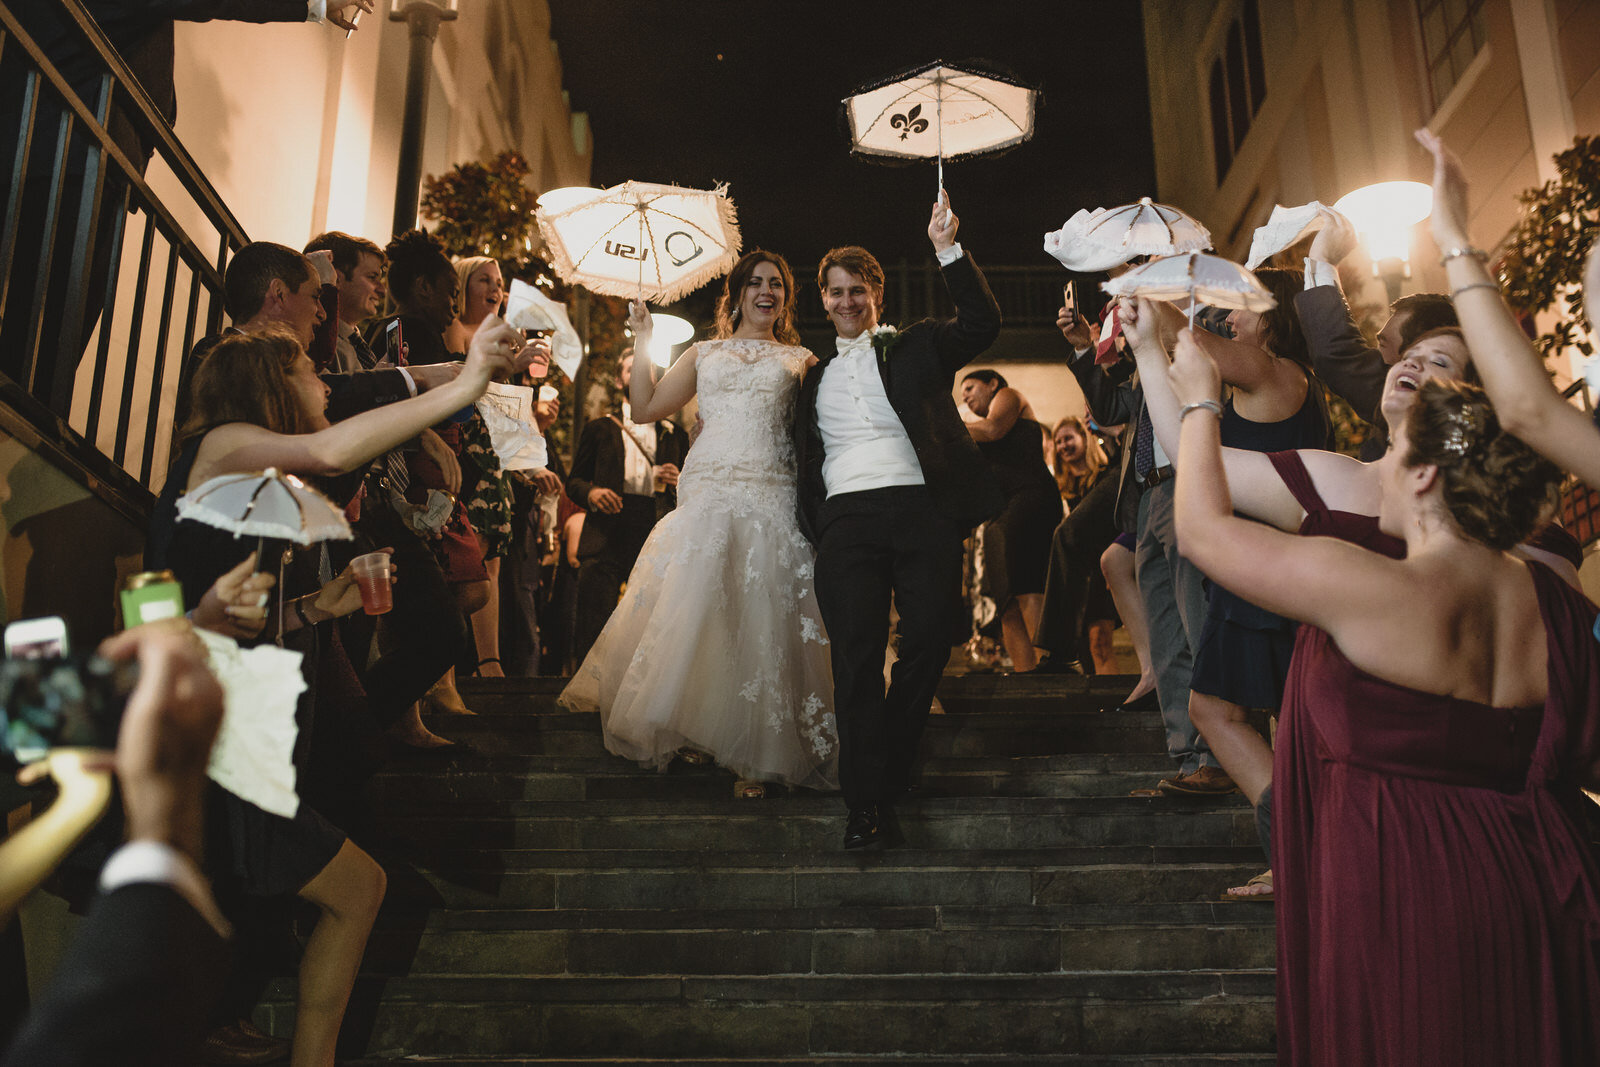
(136, 987)
(1115, 399)
(597, 463)
(917, 375)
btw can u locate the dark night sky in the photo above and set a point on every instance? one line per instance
(764, 117)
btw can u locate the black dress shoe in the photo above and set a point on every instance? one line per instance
(1053, 665)
(864, 829)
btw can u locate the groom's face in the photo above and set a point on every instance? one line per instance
(851, 304)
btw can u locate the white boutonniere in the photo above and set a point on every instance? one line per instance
(883, 339)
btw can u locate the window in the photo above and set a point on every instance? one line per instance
(1452, 33)
(1237, 86)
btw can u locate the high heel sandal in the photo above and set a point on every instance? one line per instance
(749, 789)
(478, 670)
(694, 757)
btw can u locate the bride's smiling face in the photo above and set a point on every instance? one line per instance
(761, 304)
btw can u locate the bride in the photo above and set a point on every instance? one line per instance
(717, 645)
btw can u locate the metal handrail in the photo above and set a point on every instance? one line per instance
(72, 193)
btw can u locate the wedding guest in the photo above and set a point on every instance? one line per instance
(1513, 373)
(258, 403)
(1435, 888)
(1340, 355)
(624, 476)
(1275, 406)
(534, 496)
(424, 287)
(125, 993)
(360, 270)
(1078, 458)
(480, 294)
(1170, 586)
(1016, 542)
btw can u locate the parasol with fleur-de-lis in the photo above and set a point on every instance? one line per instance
(940, 112)
(1093, 241)
(1196, 278)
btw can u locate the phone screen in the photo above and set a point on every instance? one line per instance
(1069, 293)
(73, 701)
(36, 638)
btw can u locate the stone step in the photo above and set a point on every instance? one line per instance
(841, 941)
(595, 879)
(1096, 1012)
(816, 823)
(933, 1060)
(544, 778)
(969, 734)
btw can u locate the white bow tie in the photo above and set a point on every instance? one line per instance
(861, 342)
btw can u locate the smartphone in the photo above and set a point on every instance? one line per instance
(61, 702)
(37, 638)
(1069, 294)
(394, 343)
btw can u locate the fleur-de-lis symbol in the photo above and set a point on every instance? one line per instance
(909, 123)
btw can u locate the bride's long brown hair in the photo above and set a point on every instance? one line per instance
(733, 288)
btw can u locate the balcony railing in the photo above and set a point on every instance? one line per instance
(103, 290)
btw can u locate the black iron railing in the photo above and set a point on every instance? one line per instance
(103, 291)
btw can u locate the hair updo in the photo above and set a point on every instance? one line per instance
(1497, 489)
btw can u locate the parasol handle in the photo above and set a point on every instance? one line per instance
(938, 118)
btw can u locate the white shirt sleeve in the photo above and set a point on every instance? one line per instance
(153, 862)
(1320, 273)
(316, 10)
(950, 255)
(411, 382)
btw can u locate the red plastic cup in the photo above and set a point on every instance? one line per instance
(372, 577)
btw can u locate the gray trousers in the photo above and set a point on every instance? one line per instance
(1176, 603)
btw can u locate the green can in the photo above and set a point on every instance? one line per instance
(151, 596)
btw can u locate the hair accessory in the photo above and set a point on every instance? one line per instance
(1466, 427)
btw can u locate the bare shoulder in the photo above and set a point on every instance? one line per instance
(1344, 482)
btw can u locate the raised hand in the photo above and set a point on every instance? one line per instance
(1334, 241)
(492, 353)
(1074, 327)
(943, 224)
(337, 9)
(534, 359)
(640, 322)
(1194, 374)
(1449, 218)
(236, 605)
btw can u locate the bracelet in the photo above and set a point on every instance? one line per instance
(300, 610)
(1475, 285)
(1210, 405)
(1465, 250)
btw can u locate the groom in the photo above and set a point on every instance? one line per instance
(890, 484)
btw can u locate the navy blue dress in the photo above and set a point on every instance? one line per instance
(1244, 650)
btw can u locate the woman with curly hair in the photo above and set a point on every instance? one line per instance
(1437, 895)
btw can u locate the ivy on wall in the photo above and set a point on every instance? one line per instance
(1543, 265)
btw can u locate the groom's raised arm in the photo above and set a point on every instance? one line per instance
(960, 340)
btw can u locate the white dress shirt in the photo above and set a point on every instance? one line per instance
(864, 444)
(638, 473)
(160, 864)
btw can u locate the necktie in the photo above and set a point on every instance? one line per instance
(364, 353)
(1144, 448)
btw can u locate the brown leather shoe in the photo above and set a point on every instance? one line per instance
(241, 1042)
(1206, 782)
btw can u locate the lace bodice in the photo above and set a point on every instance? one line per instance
(747, 390)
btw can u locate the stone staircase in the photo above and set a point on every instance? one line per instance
(550, 903)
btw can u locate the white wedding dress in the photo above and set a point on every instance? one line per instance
(717, 643)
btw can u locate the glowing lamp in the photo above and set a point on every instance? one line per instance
(670, 331)
(1383, 213)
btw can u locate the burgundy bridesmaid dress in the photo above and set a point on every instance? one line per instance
(1436, 890)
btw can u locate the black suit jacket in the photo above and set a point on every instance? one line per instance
(1343, 360)
(1115, 398)
(597, 463)
(917, 374)
(136, 987)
